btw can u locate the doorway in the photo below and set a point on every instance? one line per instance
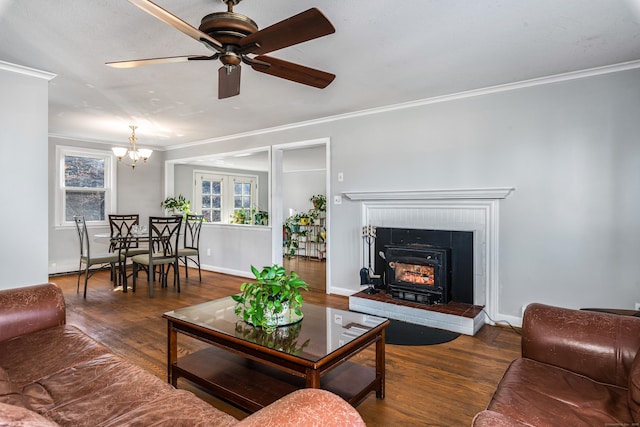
(300, 172)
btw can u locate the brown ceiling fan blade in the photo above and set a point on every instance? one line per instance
(228, 82)
(177, 23)
(152, 61)
(294, 72)
(302, 27)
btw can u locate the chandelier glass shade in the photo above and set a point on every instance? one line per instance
(133, 152)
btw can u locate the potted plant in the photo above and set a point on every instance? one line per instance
(239, 217)
(272, 299)
(304, 219)
(177, 205)
(319, 202)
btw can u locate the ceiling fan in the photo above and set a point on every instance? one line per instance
(233, 37)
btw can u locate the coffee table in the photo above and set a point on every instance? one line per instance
(252, 369)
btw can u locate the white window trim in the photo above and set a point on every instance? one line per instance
(226, 191)
(110, 182)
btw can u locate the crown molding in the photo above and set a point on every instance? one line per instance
(573, 75)
(19, 69)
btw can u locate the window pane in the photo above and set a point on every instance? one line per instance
(88, 203)
(246, 202)
(246, 189)
(215, 216)
(216, 201)
(237, 188)
(83, 172)
(206, 202)
(215, 187)
(206, 187)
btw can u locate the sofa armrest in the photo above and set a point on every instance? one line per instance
(306, 407)
(30, 309)
(601, 346)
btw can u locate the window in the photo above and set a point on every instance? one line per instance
(85, 185)
(221, 196)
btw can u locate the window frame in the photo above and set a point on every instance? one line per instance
(110, 189)
(226, 191)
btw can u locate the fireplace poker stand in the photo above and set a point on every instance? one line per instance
(366, 275)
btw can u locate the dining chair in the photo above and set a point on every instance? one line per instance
(191, 243)
(164, 233)
(88, 259)
(122, 228)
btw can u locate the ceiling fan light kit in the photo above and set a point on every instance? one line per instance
(233, 37)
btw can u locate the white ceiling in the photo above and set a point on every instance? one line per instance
(384, 52)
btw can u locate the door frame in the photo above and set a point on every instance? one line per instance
(277, 214)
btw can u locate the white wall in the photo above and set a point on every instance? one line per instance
(23, 167)
(298, 187)
(569, 233)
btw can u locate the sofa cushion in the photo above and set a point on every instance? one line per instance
(9, 393)
(17, 416)
(28, 358)
(634, 389)
(179, 408)
(539, 394)
(108, 390)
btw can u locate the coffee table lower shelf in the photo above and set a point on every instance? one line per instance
(253, 385)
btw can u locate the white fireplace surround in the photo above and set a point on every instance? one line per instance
(475, 210)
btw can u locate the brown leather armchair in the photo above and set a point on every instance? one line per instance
(577, 368)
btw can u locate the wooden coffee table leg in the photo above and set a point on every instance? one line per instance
(172, 352)
(380, 362)
(313, 378)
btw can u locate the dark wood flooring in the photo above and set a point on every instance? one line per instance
(441, 385)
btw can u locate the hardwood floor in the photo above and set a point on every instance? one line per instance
(441, 385)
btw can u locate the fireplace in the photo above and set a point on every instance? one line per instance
(418, 273)
(425, 266)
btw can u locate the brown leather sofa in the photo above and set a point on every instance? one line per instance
(54, 374)
(578, 368)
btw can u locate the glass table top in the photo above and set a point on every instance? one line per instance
(321, 331)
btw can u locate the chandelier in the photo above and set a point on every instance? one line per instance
(133, 152)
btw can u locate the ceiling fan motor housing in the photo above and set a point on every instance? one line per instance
(227, 27)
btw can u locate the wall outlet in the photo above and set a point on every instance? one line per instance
(208, 251)
(337, 200)
(340, 176)
(638, 306)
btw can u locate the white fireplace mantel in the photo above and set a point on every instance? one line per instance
(462, 194)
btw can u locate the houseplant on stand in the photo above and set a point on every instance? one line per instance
(273, 300)
(319, 202)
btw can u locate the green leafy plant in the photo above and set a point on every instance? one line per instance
(253, 216)
(241, 216)
(319, 202)
(270, 294)
(178, 204)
